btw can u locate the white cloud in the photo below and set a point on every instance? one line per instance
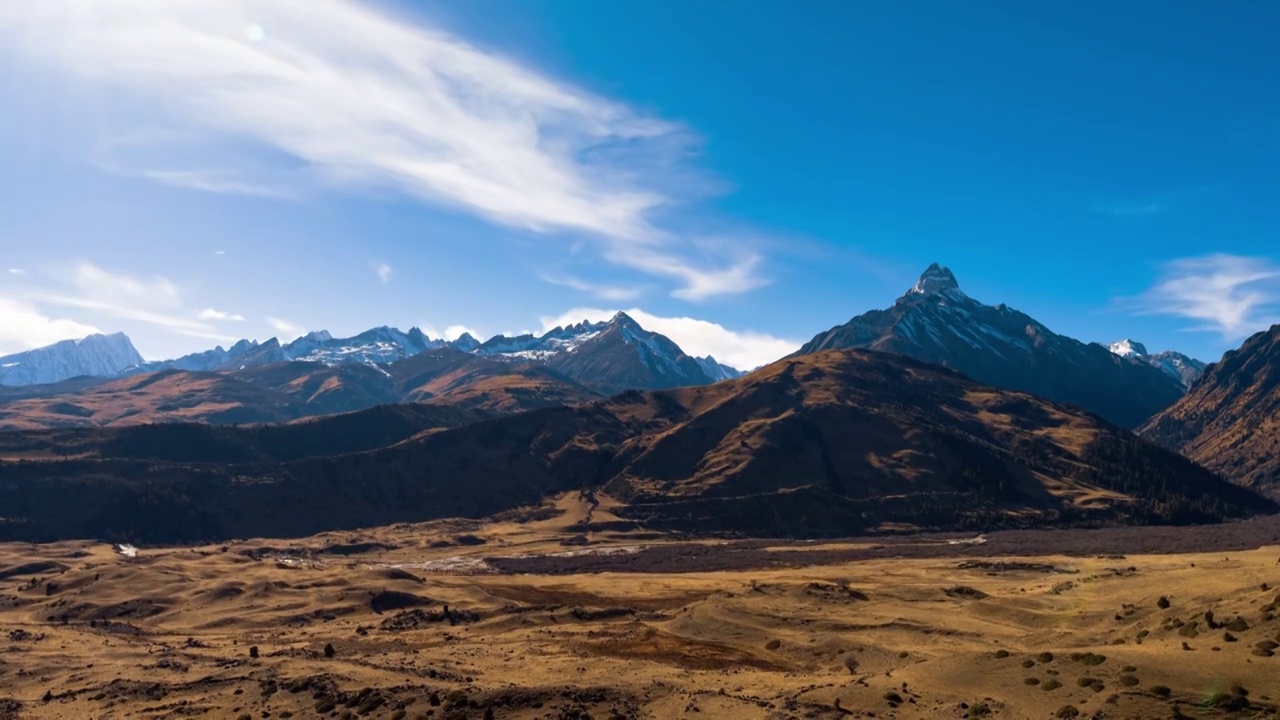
(453, 332)
(387, 104)
(23, 326)
(155, 301)
(383, 271)
(288, 331)
(1229, 294)
(212, 314)
(604, 292)
(17, 271)
(743, 350)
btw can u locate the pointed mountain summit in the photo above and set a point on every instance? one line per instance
(936, 322)
(937, 280)
(610, 357)
(96, 355)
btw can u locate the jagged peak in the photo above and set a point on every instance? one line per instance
(621, 318)
(318, 336)
(1128, 348)
(937, 280)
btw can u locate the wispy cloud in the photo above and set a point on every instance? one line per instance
(156, 301)
(212, 314)
(383, 271)
(24, 326)
(390, 104)
(288, 331)
(604, 292)
(453, 332)
(17, 271)
(744, 350)
(1228, 294)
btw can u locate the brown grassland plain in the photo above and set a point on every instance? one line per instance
(441, 620)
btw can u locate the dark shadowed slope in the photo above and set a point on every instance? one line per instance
(1230, 419)
(834, 443)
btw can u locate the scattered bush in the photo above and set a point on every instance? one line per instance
(1228, 637)
(1163, 603)
(1238, 625)
(1028, 663)
(1089, 658)
(1050, 685)
(328, 650)
(1002, 654)
(1129, 680)
(1067, 711)
(1161, 691)
(1045, 657)
(1032, 681)
(773, 645)
(253, 652)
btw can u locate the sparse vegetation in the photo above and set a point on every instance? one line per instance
(1050, 684)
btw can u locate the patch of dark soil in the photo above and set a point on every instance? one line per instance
(394, 600)
(965, 592)
(418, 618)
(10, 709)
(137, 608)
(356, 548)
(612, 613)
(398, 574)
(32, 568)
(1001, 566)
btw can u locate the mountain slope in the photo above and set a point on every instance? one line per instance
(834, 443)
(1186, 370)
(95, 355)
(1230, 420)
(609, 357)
(166, 396)
(936, 322)
(624, 356)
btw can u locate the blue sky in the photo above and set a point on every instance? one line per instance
(199, 172)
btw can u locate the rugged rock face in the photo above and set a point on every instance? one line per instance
(95, 355)
(831, 443)
(286, 391)
(1184, 369)
(1229, 422)
(936, 322)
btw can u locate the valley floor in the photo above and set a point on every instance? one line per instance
(541, 617)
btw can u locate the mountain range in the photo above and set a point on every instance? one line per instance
(935, 321)
(830, 443)
(1186, 370)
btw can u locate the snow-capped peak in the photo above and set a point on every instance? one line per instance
(97, 355)
(937, 280)
(1128, 348)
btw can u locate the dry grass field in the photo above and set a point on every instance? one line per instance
(522, 617)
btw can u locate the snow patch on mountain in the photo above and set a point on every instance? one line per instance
(97, 355)
(1182, 368)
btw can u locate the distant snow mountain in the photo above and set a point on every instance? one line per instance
(96, 355)
(611, 356)
(935, 321)
(606, 357)
(1186, 370)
